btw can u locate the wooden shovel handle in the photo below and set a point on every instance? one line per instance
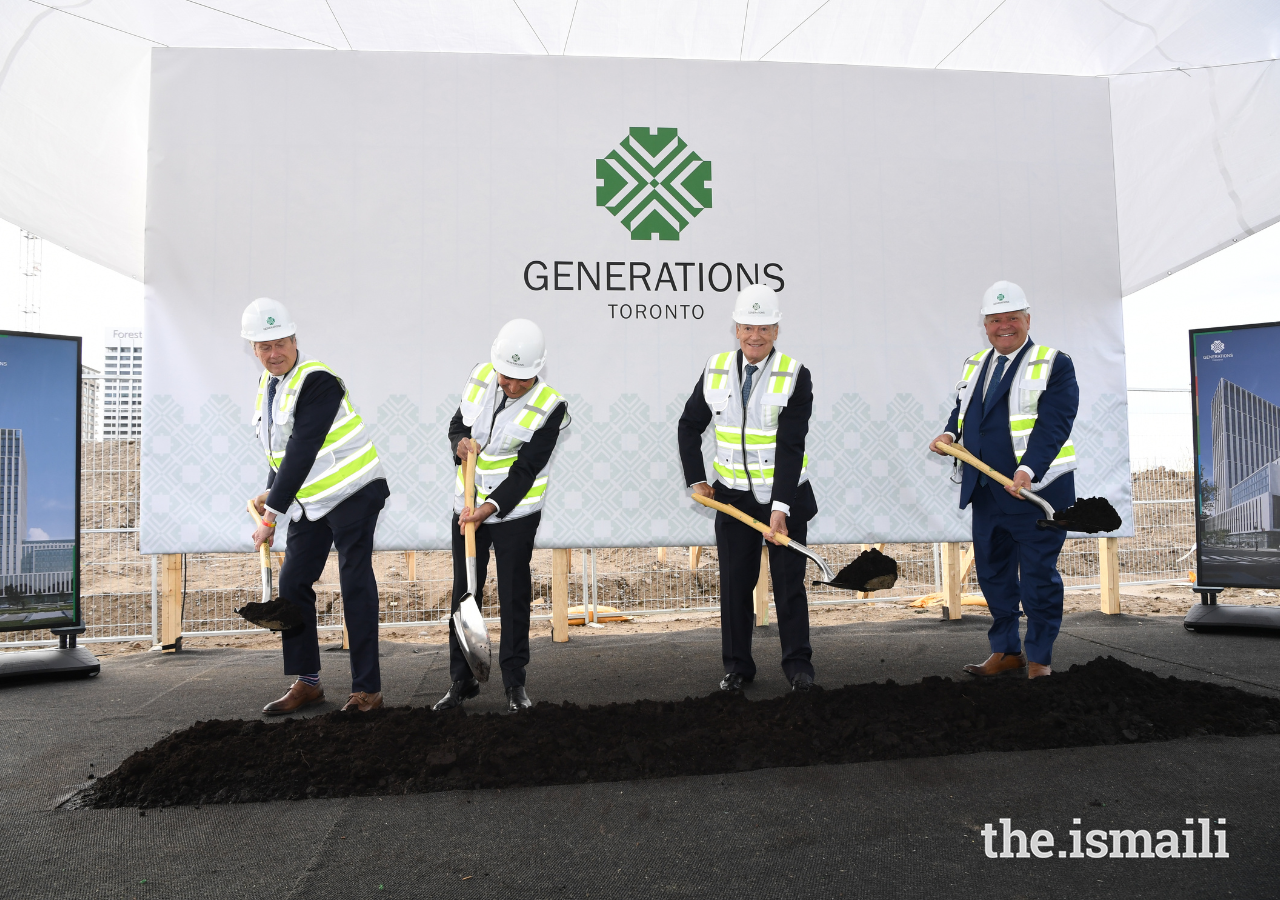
(741, 517)
(958, 451)
(469, 493)
(265, 553)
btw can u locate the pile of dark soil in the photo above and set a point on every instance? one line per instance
(1091, 515)
(871, 570)
(409, 750)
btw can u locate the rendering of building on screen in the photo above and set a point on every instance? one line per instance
(1246, 465)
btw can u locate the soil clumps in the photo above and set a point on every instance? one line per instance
(277, 614)
(411, 750)
(871, 570)
(1090, 515)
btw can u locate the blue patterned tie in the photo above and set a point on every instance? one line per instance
(990, 395)
(746, 385)
(271, 400)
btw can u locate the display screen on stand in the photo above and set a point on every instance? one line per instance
(39, 481)
(1235, 383)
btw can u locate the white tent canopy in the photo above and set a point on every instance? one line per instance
(1195, 89)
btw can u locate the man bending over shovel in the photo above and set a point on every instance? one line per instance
(326, 479)
(509, 419)
(1015, 404)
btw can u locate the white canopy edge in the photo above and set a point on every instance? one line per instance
(1194, 87)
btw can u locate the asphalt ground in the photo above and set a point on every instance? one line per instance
(907, 828)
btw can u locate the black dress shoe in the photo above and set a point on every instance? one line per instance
(801, 681)
(732, 681)
(517, 699)
(458, 691)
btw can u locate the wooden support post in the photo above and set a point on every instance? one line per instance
(952, 580)
(1109, 574)
(662, 556)
(695, 554)
(170, 602)
(346, 639)
(560, 560)
(761, 594)
(411, 563)
(279, 561)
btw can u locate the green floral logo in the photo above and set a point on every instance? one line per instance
(270, 320)
(653, 183)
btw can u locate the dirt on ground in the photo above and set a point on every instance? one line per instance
(415, 750)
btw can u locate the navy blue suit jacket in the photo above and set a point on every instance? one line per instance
(987, 437)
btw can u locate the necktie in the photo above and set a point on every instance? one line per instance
(746, 385)
(271, 399)
(992, 387)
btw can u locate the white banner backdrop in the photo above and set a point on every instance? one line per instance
(405, 205)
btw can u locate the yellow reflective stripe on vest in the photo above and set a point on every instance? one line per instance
(342, 431)
(478, 382)
(782, 379)
(333, 480)
(292, 392)
(761, 476)
(719, 371)
(487, 463)
(754, 437)
(262, 389)
(535, 410)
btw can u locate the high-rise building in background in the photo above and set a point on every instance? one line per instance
(1246, 461)
(90, 382)
(13, 501)
(121, 398)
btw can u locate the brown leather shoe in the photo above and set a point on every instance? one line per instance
(1036, 670)
(300, 694)
(362, 702)
(998, 664)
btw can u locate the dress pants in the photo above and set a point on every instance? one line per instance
(1017, 565)
(512, 544)
(738, 546)
(304, 560)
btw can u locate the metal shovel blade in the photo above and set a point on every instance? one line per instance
(827, 573)
(473, 637)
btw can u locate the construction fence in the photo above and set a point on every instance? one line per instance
(119, 585)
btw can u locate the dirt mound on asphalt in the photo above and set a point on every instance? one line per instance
(411, 750)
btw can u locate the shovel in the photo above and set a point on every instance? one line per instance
(278, 615)
(1090, 515)
(871, 571)
(468, 623)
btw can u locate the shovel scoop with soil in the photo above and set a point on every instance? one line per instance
(871, 571)
(1092, 515)
(278, 614)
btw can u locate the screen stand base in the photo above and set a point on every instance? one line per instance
(1209, 615)
(48, 661)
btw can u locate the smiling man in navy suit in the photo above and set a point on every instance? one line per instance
(1015, 404)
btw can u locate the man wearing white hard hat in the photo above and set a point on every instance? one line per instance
(510, 419)
(1015, 404)
(759, 400)
(326, 480)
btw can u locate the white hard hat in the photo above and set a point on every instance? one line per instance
(266, 320)
(757, 305)
(519, 350)
(1003, 296)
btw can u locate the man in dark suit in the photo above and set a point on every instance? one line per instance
(1016, 402)
(760, 400)
(326, 481)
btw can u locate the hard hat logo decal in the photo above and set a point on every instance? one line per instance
(999, 296)
(515, 357)
(755, 307)
(654, 183)
(271, 320)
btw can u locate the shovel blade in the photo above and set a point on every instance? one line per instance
(473, 637)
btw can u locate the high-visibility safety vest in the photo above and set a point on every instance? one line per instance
(747, 443)
(347, 460)
(501, 434)
(1031, 380)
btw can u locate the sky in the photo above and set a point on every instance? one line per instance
(38, 394)
(1236, 286)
